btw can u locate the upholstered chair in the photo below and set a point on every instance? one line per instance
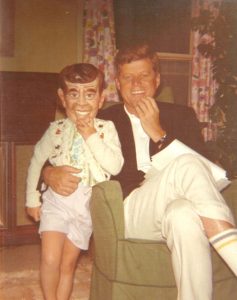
(129, 269)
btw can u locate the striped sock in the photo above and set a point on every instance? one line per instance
(225, 244)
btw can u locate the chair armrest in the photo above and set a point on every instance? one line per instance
(108, 224)
(230, 196)
(107, 207)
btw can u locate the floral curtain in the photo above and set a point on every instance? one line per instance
(203, 85)
(99, 40)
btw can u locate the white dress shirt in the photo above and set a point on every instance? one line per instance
(142, 141)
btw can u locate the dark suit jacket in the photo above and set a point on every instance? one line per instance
(178, 121)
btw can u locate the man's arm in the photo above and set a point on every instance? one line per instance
(61, 179)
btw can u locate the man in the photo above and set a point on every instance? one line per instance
(179, 204)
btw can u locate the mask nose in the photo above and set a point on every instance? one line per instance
(81, 99)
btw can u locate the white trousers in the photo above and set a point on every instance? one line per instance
(167, 207)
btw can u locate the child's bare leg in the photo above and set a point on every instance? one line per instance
(68, 263)
(51, 254)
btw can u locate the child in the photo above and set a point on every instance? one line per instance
(86, 143)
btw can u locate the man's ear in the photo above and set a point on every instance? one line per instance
(157, 80)
(61, 97)
(102, 98)
(117, 83)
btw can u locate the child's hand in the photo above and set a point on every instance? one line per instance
(85, 127)
(34, 212)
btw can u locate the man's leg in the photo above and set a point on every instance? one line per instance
(145, 208)
(199, 188)
(223, 237)
(190, 251)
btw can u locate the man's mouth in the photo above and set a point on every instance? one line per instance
(138, 92)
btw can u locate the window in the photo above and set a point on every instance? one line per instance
(167, 24)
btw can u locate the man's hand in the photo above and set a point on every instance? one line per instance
(149, 115)
(34, 213)
(61, 179)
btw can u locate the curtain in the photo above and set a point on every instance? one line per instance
(99, 40)
(203, 85)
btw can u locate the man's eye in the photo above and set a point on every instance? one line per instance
(127, 77)
(144, 75)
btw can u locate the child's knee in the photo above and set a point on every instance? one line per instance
(50, 261)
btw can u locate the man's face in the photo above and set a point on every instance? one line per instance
(135, 81)
(81, 100)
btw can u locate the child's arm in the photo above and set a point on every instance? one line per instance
(41, 153)
(106, 149)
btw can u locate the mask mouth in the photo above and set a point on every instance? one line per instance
(82, 113)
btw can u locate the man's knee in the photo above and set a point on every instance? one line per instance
(189, 158)
(180, 217)
(192, 164)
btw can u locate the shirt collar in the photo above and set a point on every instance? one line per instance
(136, 124)
(132, 117)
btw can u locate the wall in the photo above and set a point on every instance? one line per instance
(47, 35)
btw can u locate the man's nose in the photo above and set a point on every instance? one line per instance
(136, 81)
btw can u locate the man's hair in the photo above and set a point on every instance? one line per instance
(136, 52)
(80, 73)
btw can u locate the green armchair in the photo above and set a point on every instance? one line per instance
(129, 269)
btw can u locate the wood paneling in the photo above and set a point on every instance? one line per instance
(28, 104)
(7, 22)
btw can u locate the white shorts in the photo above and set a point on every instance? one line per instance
(70, 215)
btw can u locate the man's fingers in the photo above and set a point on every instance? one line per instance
(62, 180)
(147, 105)
(70, 169)
(66, 190)
(67, 185)
(71, 182)
(139, 111)
(153, 103)
(147, 109)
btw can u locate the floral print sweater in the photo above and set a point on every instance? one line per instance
(98, 157)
